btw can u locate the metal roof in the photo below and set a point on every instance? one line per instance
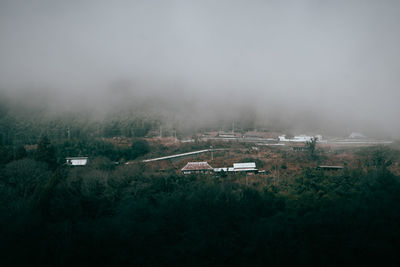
(246, 165)
(77, 161)
(197, 166)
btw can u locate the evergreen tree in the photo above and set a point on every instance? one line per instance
(139, 148)
(20, 153)
(311, 147)
(46, 152)
(5, 155)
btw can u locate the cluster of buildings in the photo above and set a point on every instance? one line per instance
(204, 167)
(255, 136)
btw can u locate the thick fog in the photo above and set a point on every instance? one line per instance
(318, 65)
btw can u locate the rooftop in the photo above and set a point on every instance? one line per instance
(76, 158)
(246, 165)
(197, 166)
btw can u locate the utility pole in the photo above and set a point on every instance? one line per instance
(160, 131)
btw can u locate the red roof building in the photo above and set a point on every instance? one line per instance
(197, 167)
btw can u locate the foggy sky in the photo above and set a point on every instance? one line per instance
(336, 60)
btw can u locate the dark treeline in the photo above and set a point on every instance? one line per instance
(17, 130)
(55, 153)
(127, 215)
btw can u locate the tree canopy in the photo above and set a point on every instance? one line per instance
(45, 152)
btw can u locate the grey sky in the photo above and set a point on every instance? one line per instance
(339, 59)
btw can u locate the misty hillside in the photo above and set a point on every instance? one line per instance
(329, 67)
(199, 133)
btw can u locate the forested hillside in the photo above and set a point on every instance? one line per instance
(108, 214)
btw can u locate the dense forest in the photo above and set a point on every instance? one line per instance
(111, 215)
(108, 214)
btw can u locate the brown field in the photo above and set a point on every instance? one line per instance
(276, 161)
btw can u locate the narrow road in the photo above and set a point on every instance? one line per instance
(183, 154)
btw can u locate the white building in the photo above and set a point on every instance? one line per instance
(297, 138)
(77, 161)
(245, 167)
(239, 167)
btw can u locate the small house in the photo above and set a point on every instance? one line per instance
(197, 167)
(76, 161)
